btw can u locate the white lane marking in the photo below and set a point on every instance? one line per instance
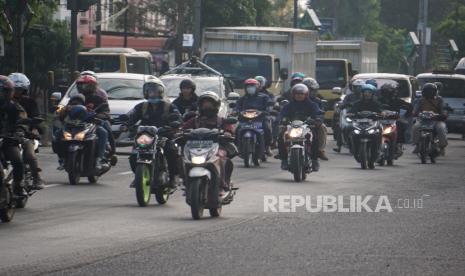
(125, 173)
(51, 185)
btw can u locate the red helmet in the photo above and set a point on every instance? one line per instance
(87, 79)
(6, 83)
(251, 82)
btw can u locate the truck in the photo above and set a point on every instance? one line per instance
(337, 62)
(245, 52)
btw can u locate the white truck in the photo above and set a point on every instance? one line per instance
(245, 52)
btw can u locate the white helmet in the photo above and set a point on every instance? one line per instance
(20, 80)
(88, 73)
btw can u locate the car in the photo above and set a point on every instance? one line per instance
(124, 92)
(453, 93)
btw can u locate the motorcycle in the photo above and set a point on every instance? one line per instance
(80, 141)
(298, 139)
(7, 196)
(341, 123)
(252, 137)
(203, 172)
(428, 144)
(365, 138)
(389, 149)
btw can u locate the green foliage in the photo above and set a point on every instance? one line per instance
(453, 27)
(228, 13)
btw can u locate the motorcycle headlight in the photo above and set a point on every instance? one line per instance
(198, 160)
(348, 119)
(296, 132)
(67, 136)
(144, 140)
(356, 131)
(387, 130)
(80, 136)
(371, 131)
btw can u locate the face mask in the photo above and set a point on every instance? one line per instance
(154, 100)
(251, 90)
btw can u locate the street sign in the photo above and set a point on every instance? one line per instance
(2, 46)
(188, 40)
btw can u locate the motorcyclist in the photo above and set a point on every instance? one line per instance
(322, 130)
(431, 101)
(262, 89)
(354, 96)
(389, 100)
(87, 85)
(187, 99)
(254, 100)
(156, 111)
(367, 101)
(208, 105)
(300, 108)
(21, 96)
(296, 78)
(10, 113)
(100, 92)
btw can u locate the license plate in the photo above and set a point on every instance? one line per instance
(364, 120)
(252, 126)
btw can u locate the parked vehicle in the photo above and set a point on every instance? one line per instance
(365, 138)
(298, 139)
(80, 141)
(428, 145)
(389, 148)
(203, 172)
(251, 138)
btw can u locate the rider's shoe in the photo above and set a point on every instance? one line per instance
(322, 155)
(98, 163)
(442, 151)
(284, 165)
(37, 183)
(315, 165)
(61, 165)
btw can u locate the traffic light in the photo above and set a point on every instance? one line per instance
(80, 5)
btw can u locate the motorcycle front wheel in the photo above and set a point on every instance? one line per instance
(363, 156)
(7, 213)
(297, 165)
(197, 196)
(142, 184)
(247, 152)
(423, 149)
(74, 170)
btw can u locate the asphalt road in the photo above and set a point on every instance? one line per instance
(99, 230)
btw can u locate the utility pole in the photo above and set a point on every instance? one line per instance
(296, 12)
(197, 27)
(98, 28)
(422, 29)
(126, 25)
(73, 65)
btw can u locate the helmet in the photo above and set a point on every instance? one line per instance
(372, 82)
(6, 84)
(251, 87)
(429, 90)
(298, 75)
(261, 80)
(86, 84)
(368, 88)
(389, 90)
(356, 85)
(20, 80)
(251, 82)
(78, 112)
(187, 83)
(212, 97)
(77, 99)
(87, 79)
(311, 83)
(156, 84)
(299, 89)
(88, 73)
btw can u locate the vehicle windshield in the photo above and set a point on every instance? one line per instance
(118, 89)
(213, 84)
(330, 73)
(451, 88)
(99, 63)
(404, 86)
(238, 68)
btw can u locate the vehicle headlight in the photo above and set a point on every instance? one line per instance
(296, 132)
(198, 160)
(356, 131)
(387, 130)
(80, 136)
(371, 131)
(67, 136)
(144, 140)
(348, 119)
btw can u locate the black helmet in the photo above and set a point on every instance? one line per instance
(389, 90)
(187, 83)
(429, 90)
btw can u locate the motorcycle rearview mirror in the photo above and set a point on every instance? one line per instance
(337, 91)
(230, 120)
(233, 96)
(284, 74)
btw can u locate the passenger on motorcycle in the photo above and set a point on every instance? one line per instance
(187, 99)
(300, 108)
(296, 78)
(262, 89)
(100, 92)
(254, 100)
(157, 112)
(209, 104)
(355, 95)
(21, 96)
(10, 113)
(322, 130)
(389, 100)
(431, 101)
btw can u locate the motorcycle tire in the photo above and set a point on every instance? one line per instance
(162, 195)
(423, 150)
(197, 198)
(7, 213)
(363, 156)
(142, 184)
(256, 157)
(246, 153)
(297, 165)
(74, 170)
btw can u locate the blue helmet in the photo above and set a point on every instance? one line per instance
(78, 112)
(372, 82)
(368, 87)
